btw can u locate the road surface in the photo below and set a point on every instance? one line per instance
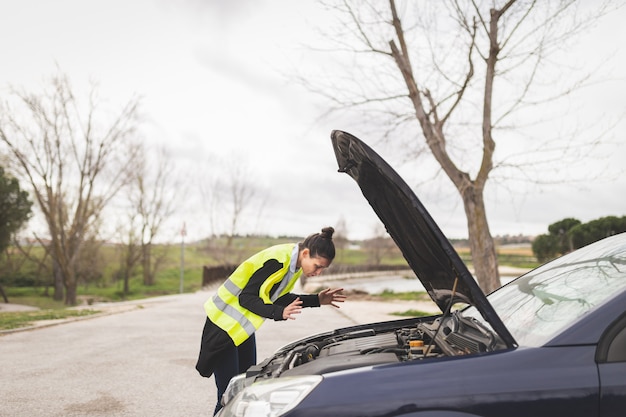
(138, 362)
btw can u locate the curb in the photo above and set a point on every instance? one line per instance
(55, 322)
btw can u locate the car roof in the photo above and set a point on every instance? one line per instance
(428, 252)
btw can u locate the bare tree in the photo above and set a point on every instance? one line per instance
(129, 250)
(73, 156)
(91, 264)
(152, 194)
(231, 193)
(341, 236)
(378, 245)
(442, 74)
(231, 197)
(241, 193)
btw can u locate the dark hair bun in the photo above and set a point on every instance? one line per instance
(327, 233)
(320, 244)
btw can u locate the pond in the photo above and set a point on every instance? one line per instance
(375, 283)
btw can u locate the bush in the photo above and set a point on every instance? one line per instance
(20, 280)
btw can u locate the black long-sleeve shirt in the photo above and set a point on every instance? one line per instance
(251, 300)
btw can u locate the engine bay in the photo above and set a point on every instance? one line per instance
(380, 343)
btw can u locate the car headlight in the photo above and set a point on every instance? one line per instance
(235, 386)
(270, 398)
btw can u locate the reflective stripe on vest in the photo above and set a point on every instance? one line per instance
(287, 281)
(224, 309)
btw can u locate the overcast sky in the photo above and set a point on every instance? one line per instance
(209, 76)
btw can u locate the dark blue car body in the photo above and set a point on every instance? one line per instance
(570, 377)
(550, 343)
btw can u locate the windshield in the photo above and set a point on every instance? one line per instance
(538, 305)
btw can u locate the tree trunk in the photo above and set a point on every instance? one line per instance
(4, 296)
(59, 289)
(146, 261)
(71, 283)
(71, 293)
(482, 247)
(126, 283)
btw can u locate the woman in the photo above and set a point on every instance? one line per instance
(259, 289)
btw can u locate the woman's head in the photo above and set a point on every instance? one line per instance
(317, 252)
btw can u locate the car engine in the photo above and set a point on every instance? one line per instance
(379, 343)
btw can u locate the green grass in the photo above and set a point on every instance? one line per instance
(167, 282)
(412, 313)
(389, 295)
(405, 296)
(15, 320)
(196, 255)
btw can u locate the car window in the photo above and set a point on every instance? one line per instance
(538, 305)
(612, 346)
(617, 348)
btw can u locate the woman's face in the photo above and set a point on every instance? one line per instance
(312, 266)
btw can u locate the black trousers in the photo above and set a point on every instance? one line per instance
(233, 361)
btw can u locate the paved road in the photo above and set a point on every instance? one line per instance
(134, 363)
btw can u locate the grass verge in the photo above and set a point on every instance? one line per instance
(412, 313)
(19, 319)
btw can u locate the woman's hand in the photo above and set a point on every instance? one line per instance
(294, 308)
(331, 297)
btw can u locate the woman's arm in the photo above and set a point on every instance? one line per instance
(308, 300)
(327, 296)
(250, 299)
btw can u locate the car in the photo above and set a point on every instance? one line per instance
(552, 342)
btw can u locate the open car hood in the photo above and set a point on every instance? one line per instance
(429, 253)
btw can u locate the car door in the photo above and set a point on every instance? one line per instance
(611, 358)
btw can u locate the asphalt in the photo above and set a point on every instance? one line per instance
(137, 358)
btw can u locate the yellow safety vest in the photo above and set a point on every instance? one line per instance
(224, 309)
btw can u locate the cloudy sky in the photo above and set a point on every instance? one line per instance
(210, 77)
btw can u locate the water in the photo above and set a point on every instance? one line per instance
(372, 283)
(388, 283)
(376, 283)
